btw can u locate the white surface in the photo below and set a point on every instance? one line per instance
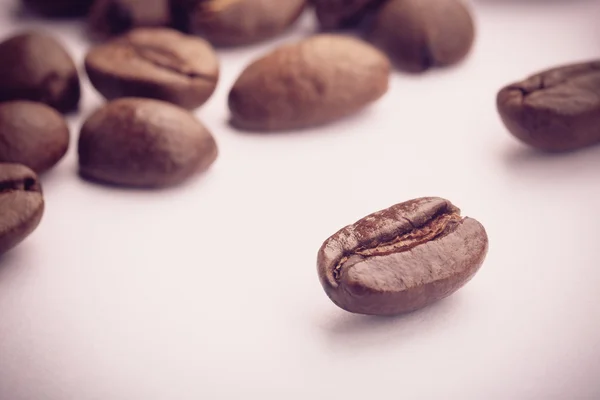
(210, 291)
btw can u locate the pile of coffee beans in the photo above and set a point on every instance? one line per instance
(155, 61)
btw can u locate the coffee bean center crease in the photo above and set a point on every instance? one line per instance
(437, 227)
(27, 185)
(161, 58)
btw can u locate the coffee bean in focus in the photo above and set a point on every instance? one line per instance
(403, 258)
(32, 134)
(308, 83)
(554, 110)
(143, 143)
(421, 34)
(21, 204)
(157, 63)
(37, 67)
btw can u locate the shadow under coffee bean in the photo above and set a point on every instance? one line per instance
(403, 258)
(21, 204)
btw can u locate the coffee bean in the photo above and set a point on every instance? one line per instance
(420, 34)
(111, 17)
(36, 67)
(21, 204)
(59, 8)
(402, 258)
(335, 14)
(309, 83)
(144, 143)
(32, 134)
(157, 63)
(237, 22)
(554, 110)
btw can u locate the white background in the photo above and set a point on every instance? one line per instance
(210, 291)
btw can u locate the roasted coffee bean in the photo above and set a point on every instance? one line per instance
(36, 67)
(237, 22)
(32, 134)
(59, 8)
(21, 204)
(335, 14)
(402, 258)
(144, 143)
(420, 34)
(309, 83)
(555, 110)
(111, 17)
(157, 63)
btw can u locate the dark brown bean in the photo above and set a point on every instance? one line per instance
(556, 109)
(336, 14)
(143, 143)
(420, 34)
(59, 8)
(36, 67)
(112, 17)
(237, 22)
(309, 83)
(32, 134)
(21, 204)
(402, 258)
(157, 63)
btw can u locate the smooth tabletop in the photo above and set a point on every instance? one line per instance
(209, 290)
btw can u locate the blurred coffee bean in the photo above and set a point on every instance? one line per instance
(21, 204)
(158, 63)
(144, 143)
(59, 8)
(335, 14)
(420, 34)
(32, 134)
(308, 83)
(37, 67)
(111, 17)
(237, 22)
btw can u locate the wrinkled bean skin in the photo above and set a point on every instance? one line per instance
(555, 110)
(21, 204)
(308, 83)
(401, 259)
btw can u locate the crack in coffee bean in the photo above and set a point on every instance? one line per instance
(21, 204)
(402, 258)
(439, 226)
(163, 58)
